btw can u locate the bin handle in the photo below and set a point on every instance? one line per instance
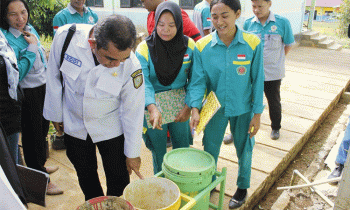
(190, 201)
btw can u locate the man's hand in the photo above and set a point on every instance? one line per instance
(59, 127)
(155, 117)
(194, 119)
(183, 115)
(287, 49)
(134, 164)
(254, 125)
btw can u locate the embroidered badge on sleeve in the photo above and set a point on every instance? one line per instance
(137, 78)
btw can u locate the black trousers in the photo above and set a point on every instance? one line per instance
(272, 93)
(82, 154)
(34, 127)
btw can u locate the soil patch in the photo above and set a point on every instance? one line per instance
(303, 161)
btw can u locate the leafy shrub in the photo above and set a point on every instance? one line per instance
(42, 13)
(344, 18)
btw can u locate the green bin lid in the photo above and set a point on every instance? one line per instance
(189, 162)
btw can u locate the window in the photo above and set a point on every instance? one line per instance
(94, 3)
(185, 4)
(130, 3)
(188, 4)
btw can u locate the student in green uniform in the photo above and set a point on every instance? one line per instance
(277, 38)
(166, 60)
(229, 62)
(75, 12)
(202, 17)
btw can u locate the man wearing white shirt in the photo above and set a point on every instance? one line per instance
(101, 101)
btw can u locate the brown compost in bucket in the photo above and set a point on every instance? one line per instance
(106, 203)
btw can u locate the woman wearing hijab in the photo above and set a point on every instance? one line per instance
(166, 60)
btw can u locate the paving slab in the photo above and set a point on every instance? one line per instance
(300, 110)
(315, 76)
(315, 73)
(256, 178)
(302, 89)
(305, 100)
(290, 122)
(306, 83)
(287, 141)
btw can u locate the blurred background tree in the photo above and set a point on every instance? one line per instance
(344, 18)
(42, 13)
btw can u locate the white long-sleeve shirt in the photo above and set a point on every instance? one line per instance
(99, 101)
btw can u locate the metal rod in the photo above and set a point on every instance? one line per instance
(311, 184)
(292, 180)
(303, 178)
(324, 197)
(314, 189)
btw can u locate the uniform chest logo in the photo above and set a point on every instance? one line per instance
(241, 70)
(209, 19)
(72, 60)
(91, 19)
(273, 28)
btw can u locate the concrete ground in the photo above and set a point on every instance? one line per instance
(315, 80)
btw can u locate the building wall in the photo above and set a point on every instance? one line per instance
(323, 14)
(292, 10)
(322, 10)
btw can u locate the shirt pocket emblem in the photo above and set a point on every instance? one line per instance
(241, 69)
(91, 19)
(273, 28)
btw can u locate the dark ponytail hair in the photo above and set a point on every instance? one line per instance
(235, 5)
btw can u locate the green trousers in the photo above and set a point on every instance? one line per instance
(155, 140)
(239, 125)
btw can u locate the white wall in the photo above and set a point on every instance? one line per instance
(292, 10)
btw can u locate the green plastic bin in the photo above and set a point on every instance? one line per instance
(192, 170)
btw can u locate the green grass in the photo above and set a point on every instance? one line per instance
(46, 42)
(51, 129)
(329, 29)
